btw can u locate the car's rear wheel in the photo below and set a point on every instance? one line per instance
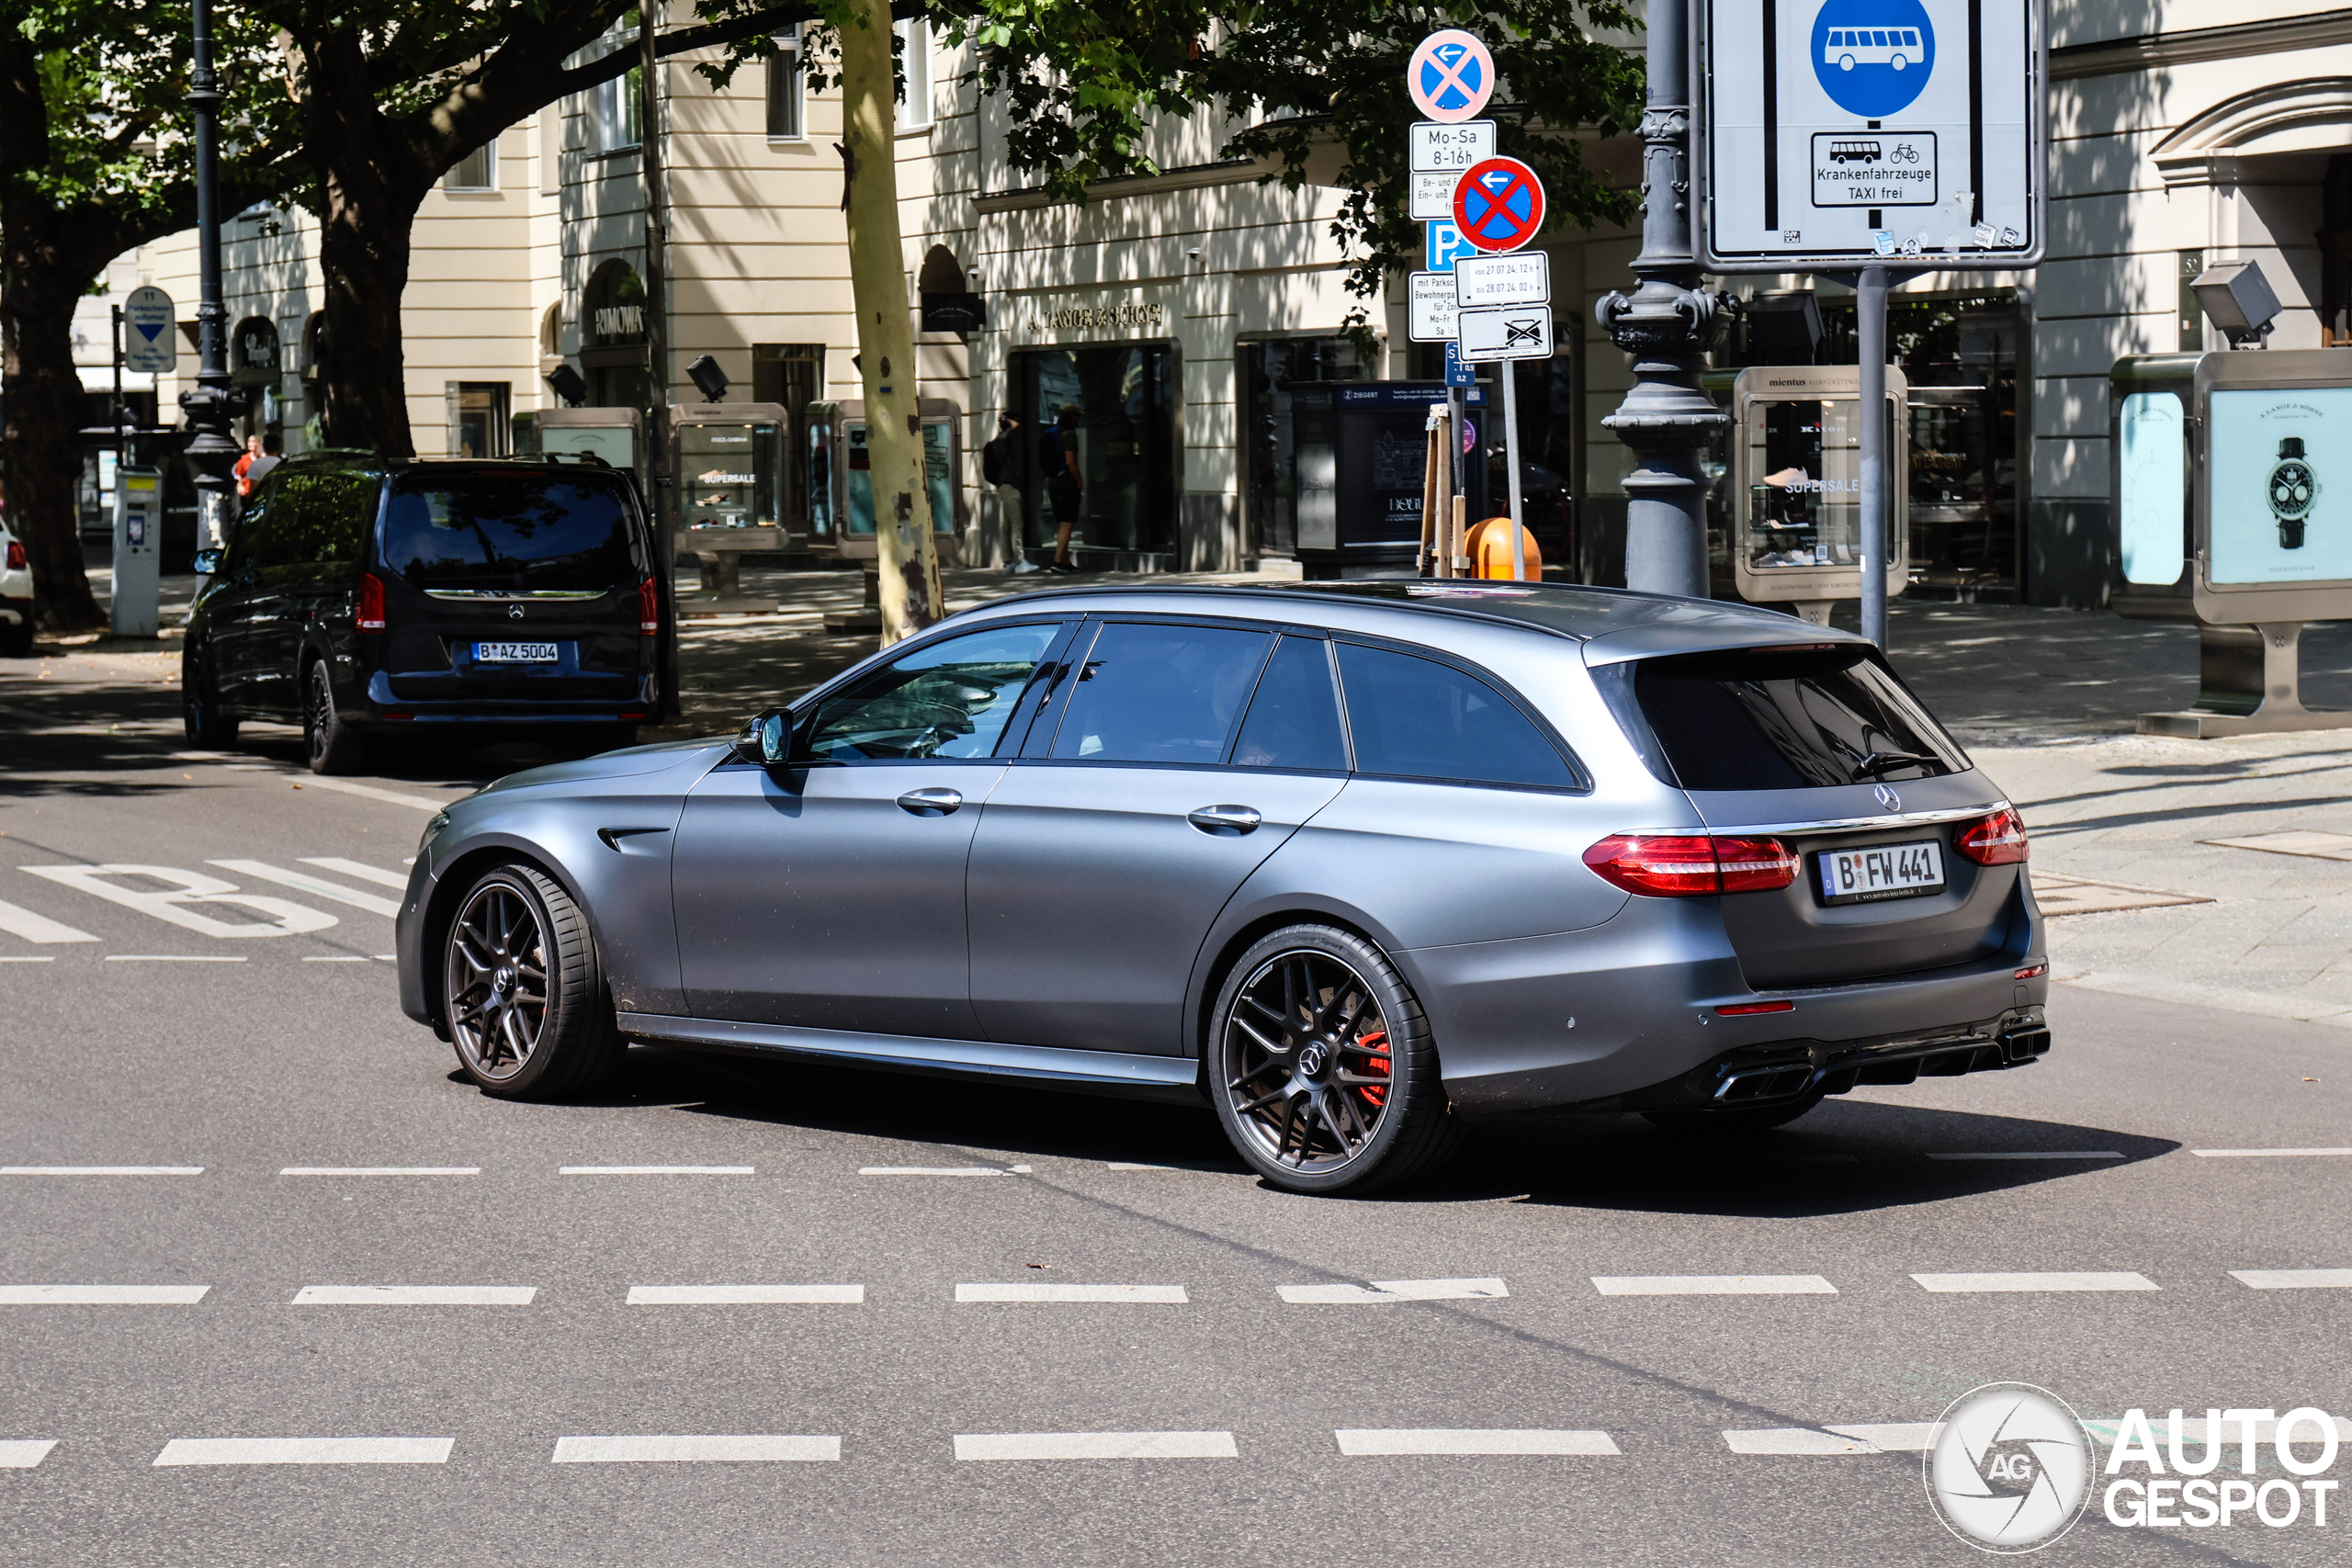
(17, 638)
(524, 991)
(200, 714)
(334, 743)
(1733, 1123)
(1322, 1069)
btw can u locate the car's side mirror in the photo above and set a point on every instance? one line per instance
(207, 562)
(767, 740)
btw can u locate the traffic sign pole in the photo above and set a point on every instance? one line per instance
(1511, 462)
(1869, 315)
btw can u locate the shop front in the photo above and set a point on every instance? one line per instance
(1099, 436)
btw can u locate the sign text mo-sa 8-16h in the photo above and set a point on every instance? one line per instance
(1840, 133)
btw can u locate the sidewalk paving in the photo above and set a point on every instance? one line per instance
(2143, 901)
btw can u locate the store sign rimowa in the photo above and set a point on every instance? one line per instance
(1097, 318)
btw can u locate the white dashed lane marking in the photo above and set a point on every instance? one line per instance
(30, 958)
(693, 1449)
(416, 1295)
(1043, 1292)
(654, 1171)
(1367, 1441)
(23, 922)
(369, 792)
(941, 1170)
(2060, 1282)
(381, 1170)
(2293, 1278)
(306, 1450)
(1394, 1291)
(2035, 1154)
(101, 1295)
(745, 1295)
(1095, 1445)
(177, 957)
(24, 1454)
(1712, 1285)
(101, 1170)
(2263, 1153)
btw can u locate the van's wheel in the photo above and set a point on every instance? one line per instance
(1322, 1069)
(200, 714)
(524, 991)
(334, 743)
(1732, 1123)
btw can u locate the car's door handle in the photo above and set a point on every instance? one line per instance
(1234, 819)
(933, 802)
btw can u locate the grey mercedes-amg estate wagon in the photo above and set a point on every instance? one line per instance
(1356, 862)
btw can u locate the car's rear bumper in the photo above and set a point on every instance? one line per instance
(1632, 1010)
(622, 700)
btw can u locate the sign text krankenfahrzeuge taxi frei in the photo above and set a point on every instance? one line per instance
(1841, 132)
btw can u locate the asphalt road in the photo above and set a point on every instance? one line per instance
(222, 1063)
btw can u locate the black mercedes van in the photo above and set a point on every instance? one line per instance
(464, 599)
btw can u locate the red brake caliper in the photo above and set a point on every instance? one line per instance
(1375, 1095)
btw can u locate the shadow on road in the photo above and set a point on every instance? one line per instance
(1846, 1156)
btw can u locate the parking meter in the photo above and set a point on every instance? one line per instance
(138, 547)
(1795, 508)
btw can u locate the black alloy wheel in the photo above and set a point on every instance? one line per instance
(200, 714)
(333, 742)
(523, 991)
(1322, 1069)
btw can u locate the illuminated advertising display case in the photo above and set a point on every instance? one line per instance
(1794, 511)
(840, 477)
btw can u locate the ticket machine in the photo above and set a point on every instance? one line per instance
(138, 550)
(2232, 507)
(1794, 523)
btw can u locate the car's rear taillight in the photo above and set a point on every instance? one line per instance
(1999, 839)
(16, 555)
(1677, 865)
(1756, 865)
(370, 616)
(649, 609)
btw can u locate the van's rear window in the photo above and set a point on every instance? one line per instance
(1798, 718)
(510, 531)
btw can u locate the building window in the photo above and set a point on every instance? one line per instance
(477, 423)
(786, 90)
(914, 64)
(477, 170)
(613, 104)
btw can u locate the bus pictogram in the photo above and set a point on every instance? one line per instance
(1849, 47)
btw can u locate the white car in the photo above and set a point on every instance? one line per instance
(16, 596)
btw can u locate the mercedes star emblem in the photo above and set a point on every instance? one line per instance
(1888, 798)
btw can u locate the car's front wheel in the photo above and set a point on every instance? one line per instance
(1323, 1071)
(524, 991)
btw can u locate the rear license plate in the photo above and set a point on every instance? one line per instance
(515, 653)
(1882, 870)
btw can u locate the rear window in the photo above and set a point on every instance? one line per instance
(510, 531)
(1796, 718)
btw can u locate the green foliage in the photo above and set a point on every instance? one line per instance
(1085, 82)
(113, 137)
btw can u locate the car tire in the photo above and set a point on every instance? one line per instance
(1733, 1123)
(1312, 1100)
(17, 639)
(523, 989)
(200, 714)
(333, 742)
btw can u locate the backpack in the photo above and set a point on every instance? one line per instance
(992, 460)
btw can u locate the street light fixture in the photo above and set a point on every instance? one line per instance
(2240, 300)
(708, 377)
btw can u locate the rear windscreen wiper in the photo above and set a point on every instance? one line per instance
(1876, 765)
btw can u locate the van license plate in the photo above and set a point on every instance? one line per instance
(515, 653)
(1884, 871)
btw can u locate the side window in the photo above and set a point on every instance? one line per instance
(1158, 693)
(272, 543)
(949, 699)
(1293, 719)
(1420, 719)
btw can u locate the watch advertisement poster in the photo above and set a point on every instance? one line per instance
(2281, 468)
